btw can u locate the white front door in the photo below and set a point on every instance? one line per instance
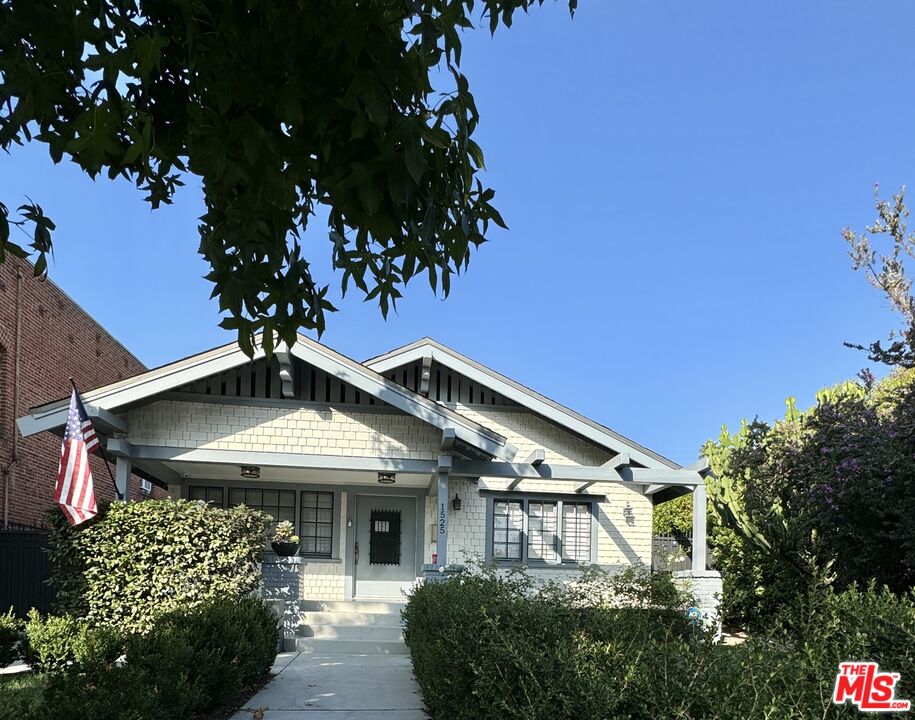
(385, 550)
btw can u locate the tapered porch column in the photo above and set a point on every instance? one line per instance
(441, 544)
(122, 477)
(700, 510)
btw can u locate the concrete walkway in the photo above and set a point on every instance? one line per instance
(337, 687)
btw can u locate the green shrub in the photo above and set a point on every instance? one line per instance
(140, 561)
(10, 634)
(56, 644)
(487, 647)
(191, 662)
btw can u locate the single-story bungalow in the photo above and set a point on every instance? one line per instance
(401, 465)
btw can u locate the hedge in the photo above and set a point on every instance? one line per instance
(485, 646)
(139, 561)
(191, 662)
(10, 631)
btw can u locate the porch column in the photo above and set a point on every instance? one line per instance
(441, 545)
(699, 529)
(122, 477)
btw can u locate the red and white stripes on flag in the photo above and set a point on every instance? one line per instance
(74, 493)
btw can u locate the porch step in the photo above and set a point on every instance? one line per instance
(364, 607)
(373, 633)
(327, 646)
(361, 627)
(350, 618)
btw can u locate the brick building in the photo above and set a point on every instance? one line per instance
(45, 338)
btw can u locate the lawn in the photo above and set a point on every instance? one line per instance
(19, 691)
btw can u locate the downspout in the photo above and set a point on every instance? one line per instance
(8, 470)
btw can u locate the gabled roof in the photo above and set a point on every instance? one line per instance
(143, 387)
(534, 401)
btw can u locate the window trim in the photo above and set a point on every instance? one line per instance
(525, 499)
(337, 551)
(334, 523)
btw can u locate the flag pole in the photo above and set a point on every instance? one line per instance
(101, 447)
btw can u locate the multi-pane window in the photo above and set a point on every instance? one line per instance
(576, 532)
(541, 531)
(316, 527)
(508, 523)
(278, 504)
(212, 495)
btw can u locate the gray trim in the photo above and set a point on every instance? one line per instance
(176, 395)
(227, 357)
(505, 386)
(297, 487)
(526, 498)
(352, 491)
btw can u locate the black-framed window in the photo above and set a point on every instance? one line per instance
(278, 504)
(541, 531)
(211, 495)
(316, 525)
(507, 529)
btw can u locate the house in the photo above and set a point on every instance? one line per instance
(392, 468)
(46, 337)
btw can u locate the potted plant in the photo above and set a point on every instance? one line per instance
(285, 541)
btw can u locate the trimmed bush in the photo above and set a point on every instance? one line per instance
(190, 662)
(487, 647)
(140, 561)
(10, 633)
(58, 644)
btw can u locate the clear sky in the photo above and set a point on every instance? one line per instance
(675, 175)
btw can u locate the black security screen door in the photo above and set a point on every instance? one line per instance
(384, 537)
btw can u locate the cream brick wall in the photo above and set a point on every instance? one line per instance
(322, 580)
(287, 429)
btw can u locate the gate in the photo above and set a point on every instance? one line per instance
(24, 571)
(669, 554)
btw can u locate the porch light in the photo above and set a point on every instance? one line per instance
(387, 478)
(250, 471)
(456, 503)
(628, 513)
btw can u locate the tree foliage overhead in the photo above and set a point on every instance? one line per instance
(279, 108)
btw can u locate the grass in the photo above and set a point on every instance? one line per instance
(19, 691)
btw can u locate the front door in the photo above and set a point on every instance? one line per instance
(385, 550)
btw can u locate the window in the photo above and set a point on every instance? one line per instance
(540, 531)
(576, 532)
(507, 527)
(278, 504)
(212, 495)
(316, 528)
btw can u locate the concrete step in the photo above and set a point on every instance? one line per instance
(383, 633)
(365, 607)
(328, 646)
(336, 618)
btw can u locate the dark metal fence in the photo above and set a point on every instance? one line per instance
(671, 553)
(24, 571)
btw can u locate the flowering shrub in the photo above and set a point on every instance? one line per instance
(825, 496)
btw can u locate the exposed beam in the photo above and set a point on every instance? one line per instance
(425, 376)
(535, 459)
(448, 438)
(582, 474)
(613, 463)
(286, 370)
(652, 489)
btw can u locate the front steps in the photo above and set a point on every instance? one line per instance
(358, 627)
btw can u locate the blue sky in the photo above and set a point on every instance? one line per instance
(675, 177)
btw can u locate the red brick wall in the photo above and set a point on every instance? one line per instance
(57, 340)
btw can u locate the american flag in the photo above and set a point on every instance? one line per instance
(75, 494)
